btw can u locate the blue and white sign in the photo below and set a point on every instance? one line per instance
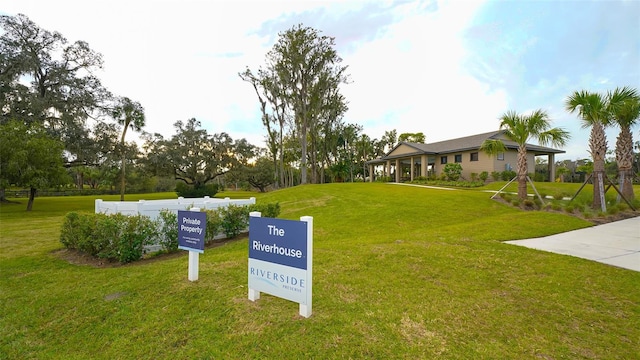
(192, 226)
(278, 241)
(280, 259)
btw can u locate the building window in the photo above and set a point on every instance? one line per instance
(459, 158)
(500, 156)
(443, 159)
(474, 156)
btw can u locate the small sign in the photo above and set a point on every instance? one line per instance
(192, 226)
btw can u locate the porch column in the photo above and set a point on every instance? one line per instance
(388, 169)
(423, 165)
(552, 167)
(371, 173)
(397, 170)
(412, 168)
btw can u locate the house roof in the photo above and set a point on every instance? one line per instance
(466, 143)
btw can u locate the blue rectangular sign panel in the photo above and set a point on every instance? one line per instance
(192, 226)
(278, 241)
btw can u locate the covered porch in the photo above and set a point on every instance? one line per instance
(405, 168)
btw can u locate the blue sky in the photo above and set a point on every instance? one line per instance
(444, 68)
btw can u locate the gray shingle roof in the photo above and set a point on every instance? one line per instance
(466, 143)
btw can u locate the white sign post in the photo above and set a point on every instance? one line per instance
(281, 259)
(192, 227)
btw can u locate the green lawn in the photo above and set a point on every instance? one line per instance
(399, 272)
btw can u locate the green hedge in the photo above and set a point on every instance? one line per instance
(115, 237)
(123, 238)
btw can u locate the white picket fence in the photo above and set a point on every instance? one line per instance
(152, 208)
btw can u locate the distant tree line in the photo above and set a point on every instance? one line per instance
(60, 127)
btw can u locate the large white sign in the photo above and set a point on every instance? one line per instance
(280, 259)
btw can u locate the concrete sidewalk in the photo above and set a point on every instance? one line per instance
(616, 243)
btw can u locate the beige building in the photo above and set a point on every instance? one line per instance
(408, 160)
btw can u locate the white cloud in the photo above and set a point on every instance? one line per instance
(413, 79)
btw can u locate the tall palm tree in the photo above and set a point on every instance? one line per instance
(129, 114)
(624, 110)
(519, 129)
(592, 109)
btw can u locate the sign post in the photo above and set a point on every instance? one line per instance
(281, 259)
(192, 227)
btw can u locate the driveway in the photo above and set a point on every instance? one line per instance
(615, 243)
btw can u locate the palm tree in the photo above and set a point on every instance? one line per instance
(519, 129)
(624, 110)
(129, 114)
(592, 109)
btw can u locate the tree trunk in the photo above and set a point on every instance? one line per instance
(32, 196)
(122, 179)
(124, 158)
(522, 172)
(303, 149)
(598, 147)
(624, 158)
(80, 180)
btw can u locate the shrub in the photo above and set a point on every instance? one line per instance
(72, 231)
(197, 191)
(484, 176)
(495, 175)
(506, 197)
(383, 179)
(558, 196)
(452, 171)
(168, 230)
(114, 237)
(271, 210)
(214, 224)
(538, 202)
(234, 220)
(507, 175)
(137, 231)
(474, 176)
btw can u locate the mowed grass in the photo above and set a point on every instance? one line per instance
(399, 273)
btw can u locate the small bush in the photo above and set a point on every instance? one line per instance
(168, 230)
(114, 237)
(495, 175)
(507, 175)
(537, 202)
(484, 176)
(452, 171)
(234, 220)
(383, 179)
(271, 210)
(214, 224)
(198, 191)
